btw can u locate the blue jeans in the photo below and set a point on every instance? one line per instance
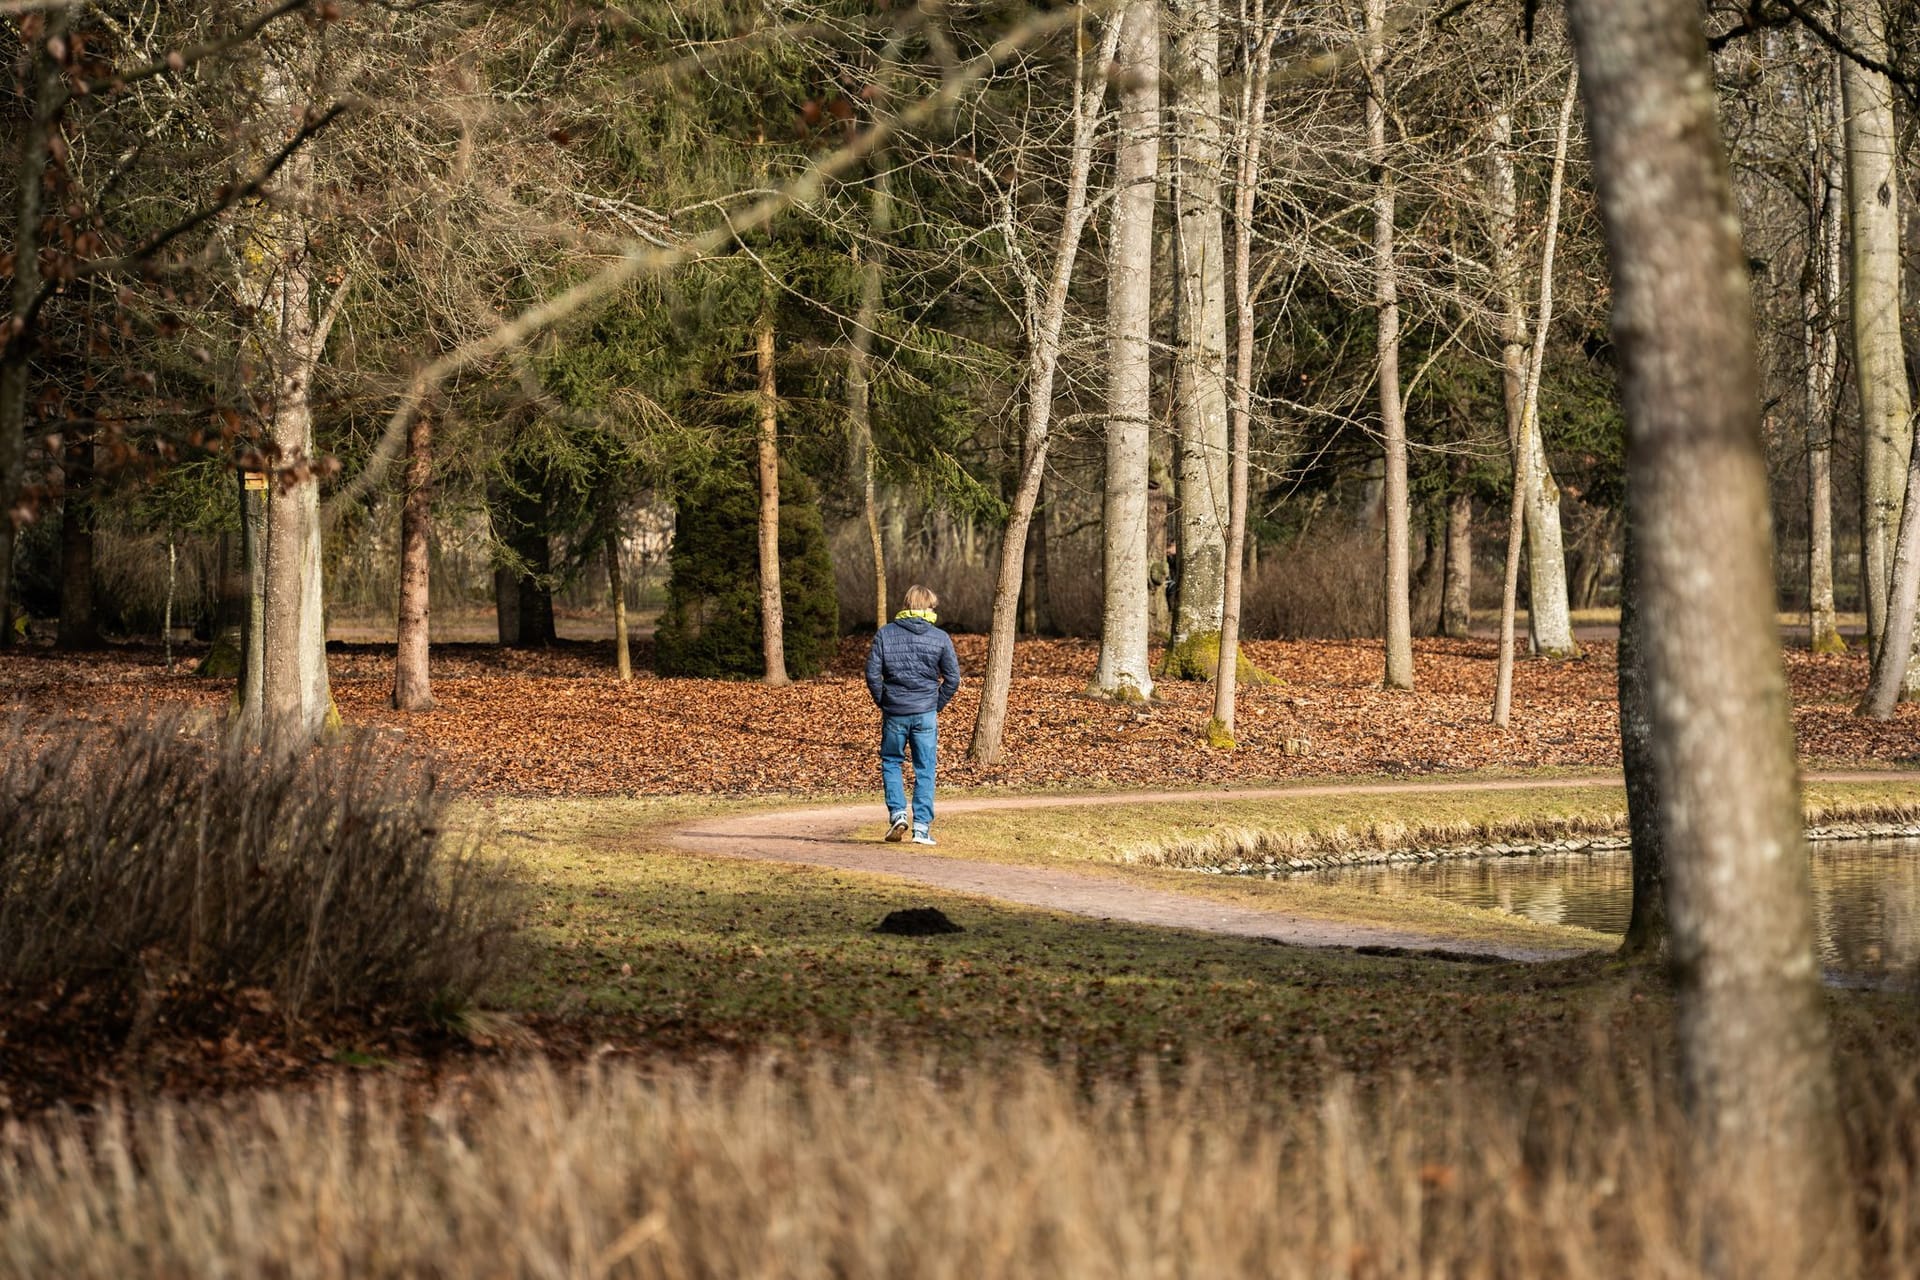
(898, 736)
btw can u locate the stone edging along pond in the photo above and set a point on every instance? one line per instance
(1276, 865)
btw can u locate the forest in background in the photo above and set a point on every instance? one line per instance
(491, 299)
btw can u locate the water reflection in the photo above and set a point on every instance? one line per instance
(1866, 893)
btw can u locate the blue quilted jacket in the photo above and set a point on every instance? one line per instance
(912, 668)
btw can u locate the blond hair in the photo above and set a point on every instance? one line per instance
(919, 597)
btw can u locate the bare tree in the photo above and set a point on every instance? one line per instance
(412, 684)
(1526, 427)
(1045, 315)
(1879, 363)
(1751, 1019)
(1819, 304)
(1200, 356)
(1548, 613)
(1393, 421)
(1122, 671)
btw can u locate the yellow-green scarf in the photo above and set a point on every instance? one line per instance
(927, 616)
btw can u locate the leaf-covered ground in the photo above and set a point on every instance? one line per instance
(557, 723)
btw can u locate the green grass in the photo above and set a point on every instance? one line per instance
(684, 953)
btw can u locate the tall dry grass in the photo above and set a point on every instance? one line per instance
(143, 862)
(857, 1169)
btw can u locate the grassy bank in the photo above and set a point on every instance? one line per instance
(1226, 828)
(684, 953)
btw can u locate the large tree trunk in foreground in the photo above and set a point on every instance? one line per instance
(412, 687)
(1200, 357)
(1819, 307)
(1647, 926)
(1751, 1015)
(1045, 316)
(1873, 215)
(773, 623)
(1386, 302)
(1122, 671)
(78, 628)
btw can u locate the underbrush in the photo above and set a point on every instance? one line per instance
(860, 1166)
(147, 870)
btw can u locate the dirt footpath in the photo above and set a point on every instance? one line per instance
(821, 837)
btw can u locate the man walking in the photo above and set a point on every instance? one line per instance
(912, 673)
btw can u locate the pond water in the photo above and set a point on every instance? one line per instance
(1866, 893)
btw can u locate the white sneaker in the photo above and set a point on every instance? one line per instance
(898, 831)
(922, 836)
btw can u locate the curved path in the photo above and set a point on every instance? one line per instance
(822, 837)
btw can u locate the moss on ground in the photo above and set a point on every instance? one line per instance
(1198, 658)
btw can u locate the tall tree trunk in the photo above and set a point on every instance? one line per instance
(1528, 423)
(1045, 316)
(1647, 925)
(1456, 599)
(860, 375)
(1548, 614)
(248, 724)
(1122, 672)
(297, 699)
(78, 628)
(17, 350)
(1386, 302)
(412, 687)
(617, 585)
(1751, 1015)
(1247, 146)
(1200, 355)
(1819, 306)
(1036, 611)
(773, 624)
(1873, 215)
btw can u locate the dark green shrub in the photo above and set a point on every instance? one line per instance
(141, 861)
(712, 623)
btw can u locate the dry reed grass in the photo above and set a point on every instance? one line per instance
(858, 1168)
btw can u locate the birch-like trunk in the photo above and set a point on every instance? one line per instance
(1046, 314)
(1393, 421)
(1527, 426)
(767, 456)
(1751, 1015)
(860, 378)
(1246, 185)
(1200, 355)
(412, 683)
(1819, 306)
(617, 584)
(1873, 215)
(1549, 616)
(1122, 672)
